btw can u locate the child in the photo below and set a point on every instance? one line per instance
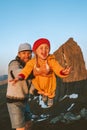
(44, 68)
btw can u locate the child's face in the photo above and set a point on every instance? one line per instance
(43, 51)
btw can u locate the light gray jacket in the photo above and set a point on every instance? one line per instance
(20, 89)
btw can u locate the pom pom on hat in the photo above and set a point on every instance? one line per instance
(39, 42)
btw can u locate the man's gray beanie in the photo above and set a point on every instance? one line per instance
(24, 47)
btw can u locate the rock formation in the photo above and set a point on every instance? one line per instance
(70, 54)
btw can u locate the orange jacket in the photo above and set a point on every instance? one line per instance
(45, 85)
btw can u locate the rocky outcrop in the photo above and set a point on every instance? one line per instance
(70, 54)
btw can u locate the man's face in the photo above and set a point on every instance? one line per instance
(25, 55)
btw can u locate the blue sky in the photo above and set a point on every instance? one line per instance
(27, 20)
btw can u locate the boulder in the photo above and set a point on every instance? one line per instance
(70, 54)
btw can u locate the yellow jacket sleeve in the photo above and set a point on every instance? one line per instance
(26, 71)
(55, 66)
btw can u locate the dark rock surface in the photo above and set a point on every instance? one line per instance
(70, 54)
(59, 107)
(4, 116)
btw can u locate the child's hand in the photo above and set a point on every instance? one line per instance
(67, 70)
(14, 80)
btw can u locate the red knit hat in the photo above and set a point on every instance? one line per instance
(39, 42)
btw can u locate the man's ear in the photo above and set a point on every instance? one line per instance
(18, 54)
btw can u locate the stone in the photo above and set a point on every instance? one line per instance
(70, 54)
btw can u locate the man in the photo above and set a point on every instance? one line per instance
(17, 94)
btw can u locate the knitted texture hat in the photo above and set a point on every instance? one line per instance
(24, 46)
(39, 42)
